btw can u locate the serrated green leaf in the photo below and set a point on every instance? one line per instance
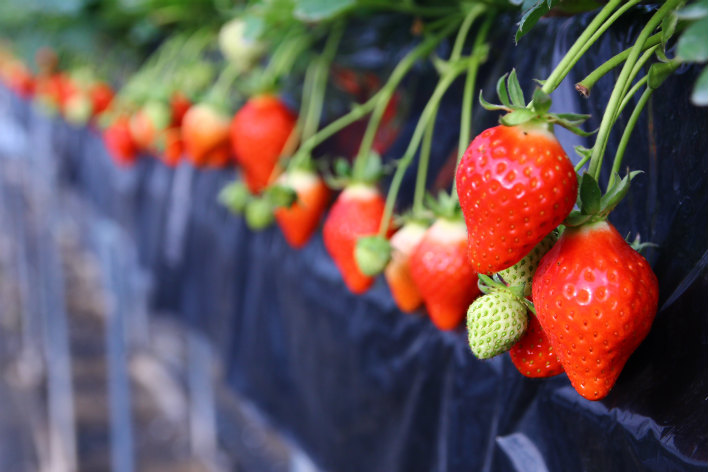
(658, 72)
(693, 43)
(515, 92)
(518, 116)
(668, 27)
(501, 91)
(590, 195)
(319, 10)
(541, 101)
(699, 96)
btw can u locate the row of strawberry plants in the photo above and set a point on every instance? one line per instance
(520, 245)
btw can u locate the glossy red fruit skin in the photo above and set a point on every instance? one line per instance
(300, 221)
(205, 135)
(356, 212)
(444, 276)
(119, 142)
(259, 132)
(596, 299)
(101, 97)
(515, 185)
(533, 354)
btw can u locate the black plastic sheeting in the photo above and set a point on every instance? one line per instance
(362, 387)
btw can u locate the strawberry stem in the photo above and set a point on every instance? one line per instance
(589, 36)
(617, 95)
(422, 170)
(387, 92)
(468, 95)
(428, 113)
(631, 123)
(585, 85)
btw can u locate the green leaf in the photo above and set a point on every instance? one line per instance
(318, 10)
(515, 92)
(693, 43)
(590, 195)
(658, 72)
(532, 15)
(501, 91)
(573, 118)
(695, 11)
(491, 106)
(541, 101)
(281, 196)
(699, 97)
(576, 219)
(518, 116)
(618, 191)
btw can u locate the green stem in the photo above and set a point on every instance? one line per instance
(628, 96)
(591, 79)
(422, 170)
(220, 90)
(472, 15)
(468, 94)
(386, 93)
(633, 75)
(444, 83)
(627, 133)
(574, 53)
(319, 83)
(608, 117)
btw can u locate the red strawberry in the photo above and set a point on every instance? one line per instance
(595, 298)
(171, 146)
(205, 132)
(180, 104)
(300, 220)
(398, 274)
(19, 79)
(259, 132)
(533, 354)
(119, 141)
(444, 276)
(148, 123)
(515, 185)
(356, 212)
(101, 97)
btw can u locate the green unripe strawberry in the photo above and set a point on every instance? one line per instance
(235, 196)
(259, 214)
(495, 322)
(522, 272)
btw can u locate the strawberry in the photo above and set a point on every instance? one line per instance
(259, 133)
(515, 185)
(398, 275)
(205, 132)
(595, 298)
(171, 146)
(299, 221)
(533, 354)
(444, 276)
(522, 272)
(357, 212)
(148, 123)
(179, 104)
(242, 51)
(101, 95)
(119, 141)
(495, 321)
(19, 79)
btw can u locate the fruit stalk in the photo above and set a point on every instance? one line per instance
(593, 31)
(608, 117)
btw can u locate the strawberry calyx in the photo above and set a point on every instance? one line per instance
(446, 206)
(518, 112)
(235, 196)
(593, 205)
(496, 284)
(372, 254)
(344, 175)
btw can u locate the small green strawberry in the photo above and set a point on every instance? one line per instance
(522, 272)
(495, 322)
